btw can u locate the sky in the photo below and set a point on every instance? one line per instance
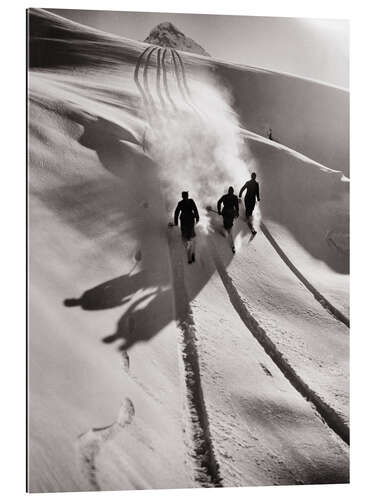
(311, 48)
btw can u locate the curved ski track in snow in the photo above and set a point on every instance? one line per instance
(208, 473)
(328, 414)
(317, 295)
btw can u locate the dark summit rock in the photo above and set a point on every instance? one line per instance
(167, 35)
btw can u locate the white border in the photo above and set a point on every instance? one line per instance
(12, 209)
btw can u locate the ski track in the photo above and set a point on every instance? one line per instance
(207, 473)
(165, 81)
(328, 414)
(323, 301)
(182, 85)
(206, 466)
(136, 79)
(178, 76)
(177, 68)
(145, 78)
(158, 80)
(189, 98)
(317, 295)
(183, 73)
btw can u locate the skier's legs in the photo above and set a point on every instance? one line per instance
(187, 247)
(251, 225)
(230, 237)
(188, 234)
(228, 225)
(249, 204)
(190, 250)
(192, 246)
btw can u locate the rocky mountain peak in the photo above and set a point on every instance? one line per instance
(167, 35)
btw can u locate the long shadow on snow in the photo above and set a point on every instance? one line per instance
(112, 293)
(147, 294)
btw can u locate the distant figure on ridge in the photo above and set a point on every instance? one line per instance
(252, 194)
(229, 212)
(189, 216)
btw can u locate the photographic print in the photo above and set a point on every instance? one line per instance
(188, 250)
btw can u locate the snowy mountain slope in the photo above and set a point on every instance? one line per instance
(140, 364)
(308, 116)
(315, 246)
(106, 263)
(250, 403)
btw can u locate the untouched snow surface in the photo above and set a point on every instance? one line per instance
(147, 372)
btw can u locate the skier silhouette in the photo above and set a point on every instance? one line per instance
(252, 194)
(189, 216)
(229, 212)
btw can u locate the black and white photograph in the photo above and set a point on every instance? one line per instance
(188, 183)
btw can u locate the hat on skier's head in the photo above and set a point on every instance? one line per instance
(253, 175)
(230, 190)
(185, 195)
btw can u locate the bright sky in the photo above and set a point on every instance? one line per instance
(312, 48)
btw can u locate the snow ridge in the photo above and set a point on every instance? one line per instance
(90, 443)
(328, 414)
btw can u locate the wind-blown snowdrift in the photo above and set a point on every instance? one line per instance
(145, 373)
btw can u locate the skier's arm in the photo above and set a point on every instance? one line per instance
(176, 214)
(257, 193)
(243, 189)
(219, 205)
(196, 213)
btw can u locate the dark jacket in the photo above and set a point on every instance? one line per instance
(252, 190)
(230, 205)
(188, 210)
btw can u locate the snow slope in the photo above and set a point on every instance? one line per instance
(308, 116)
(145, 372)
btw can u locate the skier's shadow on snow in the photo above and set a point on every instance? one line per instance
(141, 321)
(112, 293)
(147, 293)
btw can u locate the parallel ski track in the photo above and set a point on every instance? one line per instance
(207, 467)
(189, 98)
(176, 66)
(327, 413)
(158, 79)
(165, 81)
(323, 301)
(178, 76)
(202, 441)
(145, 79)
(188, 93)
(136, 77)
(208, 473)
